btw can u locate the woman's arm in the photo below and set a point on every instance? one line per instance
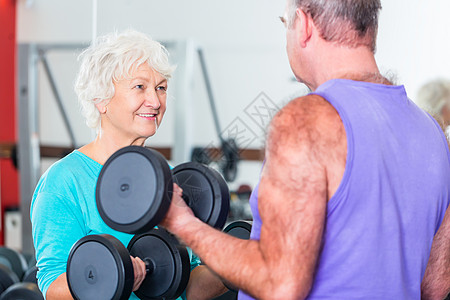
(204, 284)
(59, 289)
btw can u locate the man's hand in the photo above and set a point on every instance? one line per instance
(179, 213)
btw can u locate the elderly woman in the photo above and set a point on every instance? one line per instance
(122, 88)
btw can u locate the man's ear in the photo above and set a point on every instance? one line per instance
(305, 27)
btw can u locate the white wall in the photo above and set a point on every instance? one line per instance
(244, 45)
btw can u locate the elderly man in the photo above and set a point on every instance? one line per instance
(356, 180)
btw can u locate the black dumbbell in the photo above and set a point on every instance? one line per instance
(14, 260)
(12, 267)
(135, 186)
(100, 267)
(22, 290)
(240, 229)
(7, 278)
(30, 275)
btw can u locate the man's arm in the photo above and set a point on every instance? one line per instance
(436, 281)
(293, 197)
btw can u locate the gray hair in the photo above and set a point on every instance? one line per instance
(433, 96)
(351, 23)
(110, 58)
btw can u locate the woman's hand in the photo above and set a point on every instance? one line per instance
(139, 272)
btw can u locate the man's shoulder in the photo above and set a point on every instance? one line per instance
(308, 114)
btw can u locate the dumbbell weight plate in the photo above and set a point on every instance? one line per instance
(22, 290)
(100, 267)
(14, 260)
(30, 275)
(170, 261)
(134, 189)
(240, 229)
(7, 278)
(206, 191)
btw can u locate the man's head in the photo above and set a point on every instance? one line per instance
(350, 23)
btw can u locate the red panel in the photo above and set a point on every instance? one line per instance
(7, 76)
(9, 176)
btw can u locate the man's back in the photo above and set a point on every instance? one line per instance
(392, 198)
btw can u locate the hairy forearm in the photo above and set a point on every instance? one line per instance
(241, 262)
(436, 281)
(204, 284)
(59, 289)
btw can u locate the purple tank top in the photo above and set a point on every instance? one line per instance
(391, 200)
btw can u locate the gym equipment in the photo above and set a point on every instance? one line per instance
(230, 159)
(168, 264)
(205, 192)
(135, 187)
(100, 267)
(30, 275)
(22, 290)
(14, 260)
(31, 260)
(7, 278)
(240, 229)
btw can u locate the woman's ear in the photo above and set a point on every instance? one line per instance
(102, 107)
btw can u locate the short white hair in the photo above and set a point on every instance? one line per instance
(434, 96)
(110, 58)
(351, 23)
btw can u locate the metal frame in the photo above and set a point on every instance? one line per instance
(183, 83)
(28, 147)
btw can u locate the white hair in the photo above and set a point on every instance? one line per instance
(434, 96)
(110, 58)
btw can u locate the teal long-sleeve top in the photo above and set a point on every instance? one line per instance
(63, 210)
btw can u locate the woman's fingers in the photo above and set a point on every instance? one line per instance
(139, 272)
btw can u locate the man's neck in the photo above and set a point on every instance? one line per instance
(337, 62)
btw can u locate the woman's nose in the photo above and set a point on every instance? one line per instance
(152, 100)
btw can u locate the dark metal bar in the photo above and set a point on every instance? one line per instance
(210, 93)
(58, 99)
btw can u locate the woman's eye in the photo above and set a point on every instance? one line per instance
(139, 86)
(161, 88)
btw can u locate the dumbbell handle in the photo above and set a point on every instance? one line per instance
(186, 199)
(149, 266)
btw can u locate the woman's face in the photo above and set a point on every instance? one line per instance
(137, 107)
